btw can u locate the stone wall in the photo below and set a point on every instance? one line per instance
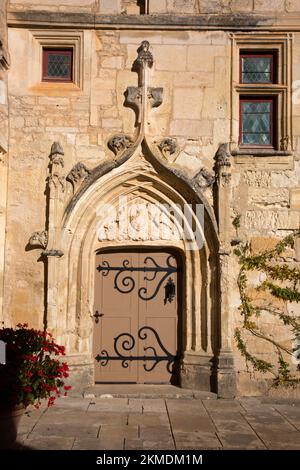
(4, 62)
(180, 7)
(194, 69)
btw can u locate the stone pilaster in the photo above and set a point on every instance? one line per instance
(225, 372)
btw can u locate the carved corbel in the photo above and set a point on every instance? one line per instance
(38, 240)
(204, 178)
(223, 163)
(119, 143)
(168, 147)
(78, 174)
(155, 96)
(223, 156)
(53, 253)
(57, 177)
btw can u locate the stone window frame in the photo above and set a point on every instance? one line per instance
(280, 90)
(55, 39)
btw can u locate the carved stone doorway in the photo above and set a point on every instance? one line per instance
(136, 321)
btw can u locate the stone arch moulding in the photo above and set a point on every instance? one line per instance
(87, 228)
(140, 173)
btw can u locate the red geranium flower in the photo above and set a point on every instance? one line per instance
(32, 371)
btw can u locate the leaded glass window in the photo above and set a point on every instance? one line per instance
(256, 121)
(57, 65)
(257, 68)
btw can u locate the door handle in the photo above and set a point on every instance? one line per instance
(97, 316)
(170, 291)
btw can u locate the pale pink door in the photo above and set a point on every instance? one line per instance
(136, 317)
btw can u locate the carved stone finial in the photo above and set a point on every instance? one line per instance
(119, 143)
(56, 149)
(78, 173)
(167, 147)
(204, 178)
(38, 239)
(144, 58)
(56, 176)
(223, 156)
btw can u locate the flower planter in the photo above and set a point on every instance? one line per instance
(9, 423)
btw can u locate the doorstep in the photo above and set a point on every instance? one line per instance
(142, 391)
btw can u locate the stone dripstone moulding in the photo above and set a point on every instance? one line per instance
(139, 170)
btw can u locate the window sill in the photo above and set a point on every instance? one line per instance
(55, 88)
(261, 152)
(279, 159)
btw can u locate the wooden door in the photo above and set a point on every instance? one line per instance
(136, 317)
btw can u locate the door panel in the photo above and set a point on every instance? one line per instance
(135, 339)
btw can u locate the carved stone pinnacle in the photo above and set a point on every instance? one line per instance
(56, 149)
(144, 58)
(38, 239)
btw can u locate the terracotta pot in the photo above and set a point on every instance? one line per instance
(9, 422)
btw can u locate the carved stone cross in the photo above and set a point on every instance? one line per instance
(142, 97)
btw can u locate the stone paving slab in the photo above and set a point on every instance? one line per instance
(161, 423)
(140, 391)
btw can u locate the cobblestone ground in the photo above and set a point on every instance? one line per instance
(162, 423)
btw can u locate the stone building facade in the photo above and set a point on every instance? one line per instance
(151, 112)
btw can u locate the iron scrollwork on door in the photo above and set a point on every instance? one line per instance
(125, 342)
(125, 283)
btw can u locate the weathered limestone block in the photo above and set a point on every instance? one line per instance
(293, 5)
(272, 220)
(157, 6)
(297, 249)
(191, 128)
(213, 6)
(194, 79)
(52, 4)
(189, 163)
(269, 197)
(187, 103)
(269, 5)
(201, 58)
(259, 244)
(286, 179)
(257, 179)
(241, 5)
(110, 7)
(171, 58)
(295, 198)
(181, 6)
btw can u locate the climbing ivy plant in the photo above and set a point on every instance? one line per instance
(281, 280)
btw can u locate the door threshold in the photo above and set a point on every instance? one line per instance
(143, 391)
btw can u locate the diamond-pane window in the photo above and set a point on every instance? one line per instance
(57, 65)
(257, 122)
(257, 67)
